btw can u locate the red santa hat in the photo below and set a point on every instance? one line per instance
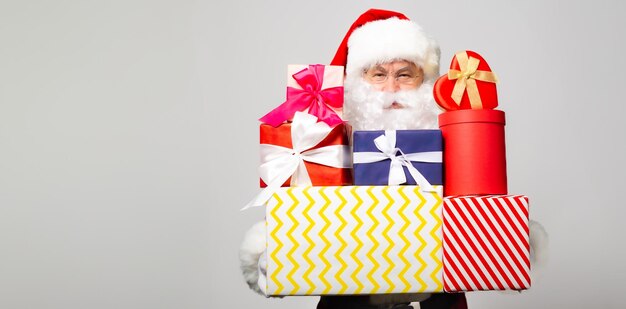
(379, 36)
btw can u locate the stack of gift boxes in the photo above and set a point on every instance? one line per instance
(396, 211)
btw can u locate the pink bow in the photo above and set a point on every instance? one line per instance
(311, 96)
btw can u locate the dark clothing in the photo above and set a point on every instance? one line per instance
(354, 302)
(445, 301)
(435, 301)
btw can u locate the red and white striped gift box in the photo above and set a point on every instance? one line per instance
(485, 243)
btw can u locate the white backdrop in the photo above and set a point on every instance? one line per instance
(128, 140)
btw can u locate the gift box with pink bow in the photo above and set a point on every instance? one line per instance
(315, 89)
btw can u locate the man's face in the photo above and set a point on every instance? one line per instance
(394, 76)
(390, 95)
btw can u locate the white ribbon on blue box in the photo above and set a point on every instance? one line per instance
(398, 157)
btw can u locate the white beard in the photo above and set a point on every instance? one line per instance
(368, 109)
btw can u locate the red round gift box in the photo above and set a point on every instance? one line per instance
(474, 156)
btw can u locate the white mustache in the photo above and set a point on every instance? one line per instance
(404, 98)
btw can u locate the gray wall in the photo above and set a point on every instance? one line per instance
(128, 140)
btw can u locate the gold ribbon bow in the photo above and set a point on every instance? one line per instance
(466, 79)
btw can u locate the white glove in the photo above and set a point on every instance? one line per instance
(252, 250)
(538, 247)
(262, 282)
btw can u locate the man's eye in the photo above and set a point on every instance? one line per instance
(379, 75)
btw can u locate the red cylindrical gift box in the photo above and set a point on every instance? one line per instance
(474, 156)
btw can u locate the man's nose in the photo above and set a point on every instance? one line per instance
(391, 85)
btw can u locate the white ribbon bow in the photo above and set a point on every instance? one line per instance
(386, 143)
(279, 163)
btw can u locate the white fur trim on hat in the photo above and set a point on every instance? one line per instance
(392, 39)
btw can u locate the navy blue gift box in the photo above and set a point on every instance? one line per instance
(408, 141)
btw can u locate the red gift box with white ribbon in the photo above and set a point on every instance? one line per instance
(305, 152)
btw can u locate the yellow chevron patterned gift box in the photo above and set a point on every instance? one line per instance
(354, 240)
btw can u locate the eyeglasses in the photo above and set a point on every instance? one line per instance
(404, 76)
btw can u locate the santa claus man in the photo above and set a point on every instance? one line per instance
(391, 66)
